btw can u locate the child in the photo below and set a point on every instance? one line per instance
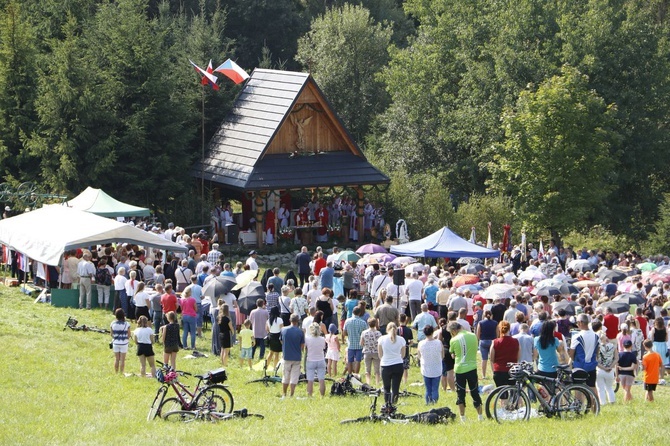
(247, 343)
(333, 353)
(170, 340)
(626, 368)
(406, 333)
(652, 364)
(144, 337)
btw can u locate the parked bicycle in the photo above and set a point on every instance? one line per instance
(566, 398)
(204, 414)
(72, 325)
(275, 378)
(209, 393)
(389, 414)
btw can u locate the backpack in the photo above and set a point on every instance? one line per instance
(102, 277)
(337, 389)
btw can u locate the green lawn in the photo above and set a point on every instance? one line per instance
(59, 387)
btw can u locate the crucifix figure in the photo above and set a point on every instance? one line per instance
(300, 125)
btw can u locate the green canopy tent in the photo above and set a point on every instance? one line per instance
(97, 202)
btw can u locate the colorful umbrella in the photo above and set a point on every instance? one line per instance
(475, 287)
(465, 279)
(371, 248)
(348, 256)
(383, 258)
(586, 283)
(647, 266)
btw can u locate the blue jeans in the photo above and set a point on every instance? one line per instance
(432, 389)
(188, 323)
(260, 344)
(158, 321)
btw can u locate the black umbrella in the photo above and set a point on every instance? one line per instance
(630, 299)
(248, 297)
(548, 291)
(567, 288)
(616, 307)
(218, 286)
(473, 268)
(567, 305)
(614, 274)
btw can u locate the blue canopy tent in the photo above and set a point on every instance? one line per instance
(443, 243)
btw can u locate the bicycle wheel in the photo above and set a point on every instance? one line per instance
(169, 405)
(511, 404)
(185, 416)
(576, 401)
(215, 399)
(489, 401)
(158, 400)
(265, 381)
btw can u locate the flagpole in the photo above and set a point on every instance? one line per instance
(202, 157)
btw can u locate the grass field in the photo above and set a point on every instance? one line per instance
(59, 387)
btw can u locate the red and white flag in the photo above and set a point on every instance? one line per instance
(208, 77)
(233, 71)
(205, 80)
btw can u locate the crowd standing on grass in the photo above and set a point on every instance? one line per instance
(603, 312)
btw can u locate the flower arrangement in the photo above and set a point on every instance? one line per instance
(286, 233)
(334, 230)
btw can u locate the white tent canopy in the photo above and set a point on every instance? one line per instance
(44, 234)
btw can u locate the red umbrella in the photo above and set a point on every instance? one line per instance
(466, 279)
(371, 248)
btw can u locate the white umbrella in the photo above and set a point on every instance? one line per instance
(532, 275)
(414, 268)
(503, 290)
(403, 260)
(244, 278)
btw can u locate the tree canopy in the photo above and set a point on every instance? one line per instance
(557, 110)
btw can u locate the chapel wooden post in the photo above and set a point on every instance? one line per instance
(361, 215)
(260, 217)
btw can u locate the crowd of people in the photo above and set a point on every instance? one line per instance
(360, 313)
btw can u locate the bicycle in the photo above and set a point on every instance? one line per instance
(204, 414)
(266, 379)
(552, 386)
(213, 395)
(72, 325)
(512, 402)
(390, 415)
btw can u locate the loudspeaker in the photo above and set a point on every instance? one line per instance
(233, 232)
(398, 277)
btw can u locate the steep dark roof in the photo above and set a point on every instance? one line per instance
(325, 169)
(235, 157)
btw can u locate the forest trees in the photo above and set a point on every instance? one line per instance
(345, 50)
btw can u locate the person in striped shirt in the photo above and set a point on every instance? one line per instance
(120, 329)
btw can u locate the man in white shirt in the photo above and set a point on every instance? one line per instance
(414, 289)
(379, 283)
(251, 261)
(282, 216)
(86, 272)
(462, 314)
(183, 275)
(202, 263)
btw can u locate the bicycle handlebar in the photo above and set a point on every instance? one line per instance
(179, 372)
